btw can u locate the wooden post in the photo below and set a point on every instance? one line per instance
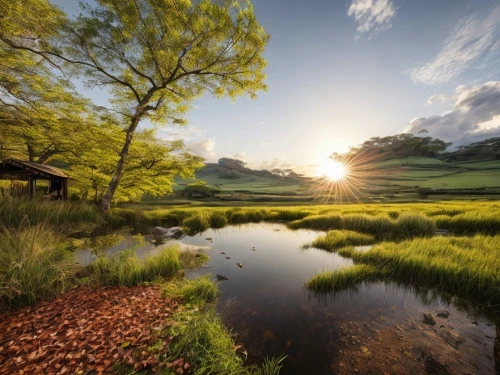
(31, 186)
(65, 189)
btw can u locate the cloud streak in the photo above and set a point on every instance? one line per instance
(474, 40)
(372, 16)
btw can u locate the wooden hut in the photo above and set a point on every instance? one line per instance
(15, 169)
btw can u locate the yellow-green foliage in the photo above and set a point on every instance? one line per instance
(199, 290)
(385, 221)
(15, 212)
(344, 278)
(336, 239)
(465, 266)
(125, 268)
(34, 264)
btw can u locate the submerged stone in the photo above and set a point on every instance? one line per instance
(429, 319)
(443, 313)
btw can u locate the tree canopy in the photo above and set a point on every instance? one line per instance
(153, 56)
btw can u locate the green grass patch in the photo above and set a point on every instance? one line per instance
(204, 342)
(70, 216)
(34, 264)
(336, 239)
(198, 291)
(125, 268)
(465, 266)
(330, 281)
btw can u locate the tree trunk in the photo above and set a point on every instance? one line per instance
(106, 200)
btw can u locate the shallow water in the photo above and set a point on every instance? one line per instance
(266, 305)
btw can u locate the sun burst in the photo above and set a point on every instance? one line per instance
(344, 177)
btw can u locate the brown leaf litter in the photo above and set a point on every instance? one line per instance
(85, 331)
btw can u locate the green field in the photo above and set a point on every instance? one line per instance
(389, 180)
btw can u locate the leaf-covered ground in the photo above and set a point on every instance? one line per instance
(85, 331)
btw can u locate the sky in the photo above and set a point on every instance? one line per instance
(341, 72)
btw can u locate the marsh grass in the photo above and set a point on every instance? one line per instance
(125, 268)
(198, 291)
(191, 260)
(464, 266)
(381, 227)
(349, 277)
(34, 264)
(336, 239)
(16, 213)
(203, 340)
(403, 220)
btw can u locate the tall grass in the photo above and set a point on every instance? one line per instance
(329, 281)
(413, 219)
(16, 212)
(382, 227)
(125, 268)
(203, 341)
(199, 290)
(463, 266)
(336, 239)
(34, 264)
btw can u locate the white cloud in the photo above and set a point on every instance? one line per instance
(475, 115)
(274, 163)
(372, 16)
(240, 156)
(262, 143)
(184, 133)
(205, 148)
(473, 40)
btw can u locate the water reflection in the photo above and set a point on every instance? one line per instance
(373, 327)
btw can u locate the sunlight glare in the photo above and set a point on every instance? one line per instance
(333, 170)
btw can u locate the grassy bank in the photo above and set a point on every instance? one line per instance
(465, 266)
(385, 221)
(69, 216)
(200, 337)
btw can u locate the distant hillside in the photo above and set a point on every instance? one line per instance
(233, 175)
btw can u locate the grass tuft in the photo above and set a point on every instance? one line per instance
(336, 239)
(125, 268)
(198, 291)
(34, 264)
(348, 277)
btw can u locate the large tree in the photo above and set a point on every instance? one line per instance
(155, 57)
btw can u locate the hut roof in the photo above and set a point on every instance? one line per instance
(35, 168)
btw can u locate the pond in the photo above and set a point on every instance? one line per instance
(377, 328)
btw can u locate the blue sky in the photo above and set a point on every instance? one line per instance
(342, 72)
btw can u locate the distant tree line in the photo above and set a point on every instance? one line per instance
(408, 145)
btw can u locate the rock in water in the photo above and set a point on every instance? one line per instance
(443, 313)
(240, 265)
(222, 253)
(228, 257)
(161, 233)
(429, 319)
(222, 277)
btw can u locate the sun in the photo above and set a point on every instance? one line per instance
(333, 170)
